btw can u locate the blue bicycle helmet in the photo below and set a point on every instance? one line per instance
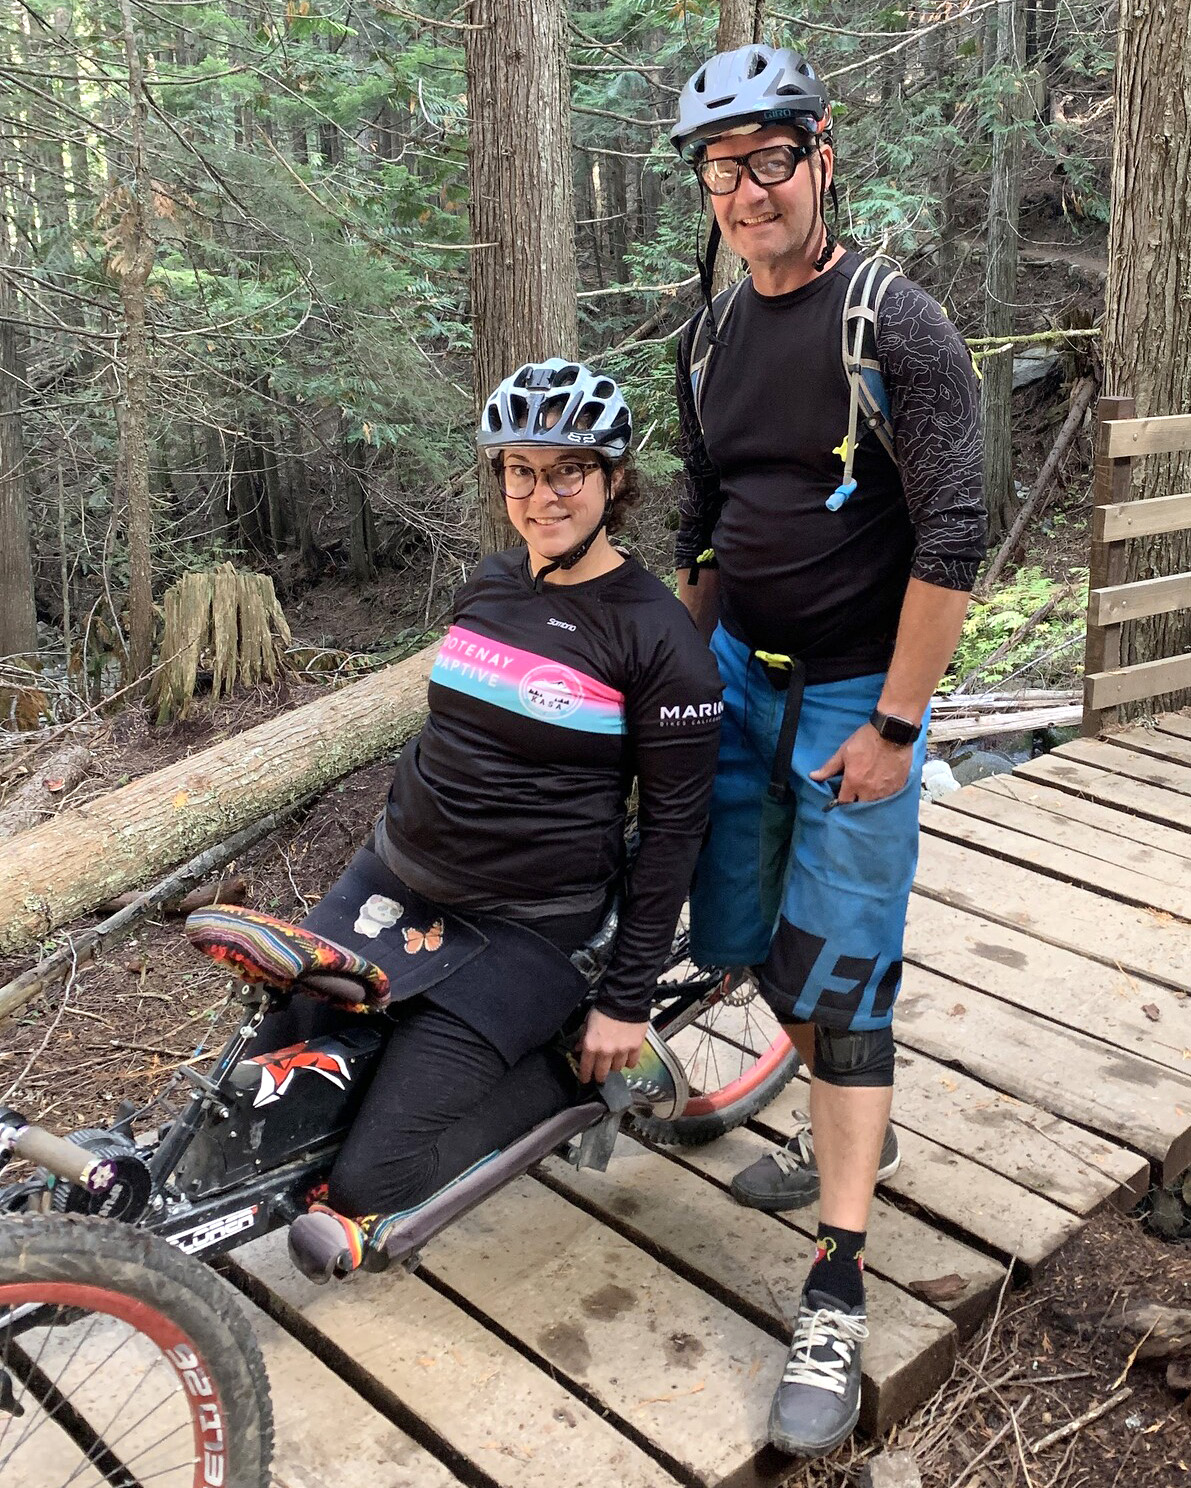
(753, 86)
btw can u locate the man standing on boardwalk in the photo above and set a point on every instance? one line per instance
(836, 605)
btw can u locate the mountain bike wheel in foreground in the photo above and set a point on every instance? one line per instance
(123, 1363)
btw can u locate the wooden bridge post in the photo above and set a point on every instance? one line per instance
(1111, 485)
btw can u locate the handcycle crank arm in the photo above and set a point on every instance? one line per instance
(65, 1159)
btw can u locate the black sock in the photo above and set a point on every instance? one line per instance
(838, 1271)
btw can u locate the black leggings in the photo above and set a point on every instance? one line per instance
(441, 1099)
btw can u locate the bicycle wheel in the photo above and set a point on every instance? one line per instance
(736, 1055)
(124, 1363)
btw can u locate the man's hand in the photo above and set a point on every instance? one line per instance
(607, 1044)
(872, 767)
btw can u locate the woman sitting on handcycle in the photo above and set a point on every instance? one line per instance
(568, 674)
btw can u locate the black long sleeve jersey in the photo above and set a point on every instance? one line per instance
(795, 577)
(544, 707)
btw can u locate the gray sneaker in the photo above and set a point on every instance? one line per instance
(788, 1177)
(817, 1404)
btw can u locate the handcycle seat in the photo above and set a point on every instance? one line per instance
(262, 948)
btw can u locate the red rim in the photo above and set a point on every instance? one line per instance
(202, 1396)
(744, 1084)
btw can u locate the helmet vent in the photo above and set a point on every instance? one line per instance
(757, 64)
(604, 388)
(519, 409)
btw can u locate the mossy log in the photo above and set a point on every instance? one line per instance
(51, 874)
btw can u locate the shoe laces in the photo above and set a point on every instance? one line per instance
(835, 1336)
(798, 1153)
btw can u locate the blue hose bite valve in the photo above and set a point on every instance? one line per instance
(840, 495)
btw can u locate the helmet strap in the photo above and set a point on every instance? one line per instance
(706, 266)
(829, 240)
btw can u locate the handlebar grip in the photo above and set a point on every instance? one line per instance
(65, 1159)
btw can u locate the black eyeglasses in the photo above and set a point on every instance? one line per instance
(768, 166)
(566, 478)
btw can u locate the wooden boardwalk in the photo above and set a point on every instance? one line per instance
(626, 1329)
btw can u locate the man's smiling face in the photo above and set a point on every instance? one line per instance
(773, 228)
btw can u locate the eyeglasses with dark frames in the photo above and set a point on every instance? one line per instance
(768, 166)
(519, 481)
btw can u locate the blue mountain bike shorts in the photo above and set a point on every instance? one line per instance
(814, 893)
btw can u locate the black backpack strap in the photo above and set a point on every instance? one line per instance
(703, 347)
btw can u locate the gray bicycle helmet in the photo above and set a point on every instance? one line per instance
(754, 85)
(559, 404)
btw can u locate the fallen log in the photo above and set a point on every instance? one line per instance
(82, 949)
(53, 873)
(36, 798)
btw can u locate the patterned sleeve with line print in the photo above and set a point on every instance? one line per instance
(699, 499)
(936, 427)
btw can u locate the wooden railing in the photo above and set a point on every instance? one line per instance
(1121, 439)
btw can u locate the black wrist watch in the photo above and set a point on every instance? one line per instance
(896, 730)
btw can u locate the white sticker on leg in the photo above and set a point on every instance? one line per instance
(376, 914)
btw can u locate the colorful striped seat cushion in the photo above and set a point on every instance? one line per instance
(261, 948)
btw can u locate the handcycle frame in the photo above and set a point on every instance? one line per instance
(173, 1184)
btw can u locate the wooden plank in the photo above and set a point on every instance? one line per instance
(1159, 743)
(1141, 942)
(1022, 721)
(1143, 597)
(977, 1201)
(1149, 803)
(1148, 847)
(1174, 723)
(1054, 859)
(1104, 754)
(479, 1396)
(1127, 1099)
(1126, 519)
(756, 1262)
(1071, 990)
(651, 1348)
(1131, 684)
(325, 1434)
(1111, 482)
(1035, 1148)
(1148, 436)
(1042, 1152)
(902, 1248)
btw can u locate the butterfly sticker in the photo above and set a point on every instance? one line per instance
(423, 940)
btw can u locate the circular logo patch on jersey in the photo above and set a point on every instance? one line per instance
(550, 691)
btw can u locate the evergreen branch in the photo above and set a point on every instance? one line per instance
(909, 38)
(615, 289)
(620, 118)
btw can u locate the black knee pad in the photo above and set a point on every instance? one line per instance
(854, 1058)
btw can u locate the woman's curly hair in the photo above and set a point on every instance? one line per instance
(627, 497)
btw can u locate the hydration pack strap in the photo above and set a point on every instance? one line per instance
(858, 349)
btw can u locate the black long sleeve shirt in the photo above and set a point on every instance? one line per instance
(545, 706)
(795, 577)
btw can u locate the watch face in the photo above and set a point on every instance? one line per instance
(896, 730)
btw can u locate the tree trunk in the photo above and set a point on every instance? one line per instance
(1147, 322)
(739, 24)
(522, 201)
(134, 255)
(51, 874)
(18, 620)
(1000, 289)
(362, 546)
